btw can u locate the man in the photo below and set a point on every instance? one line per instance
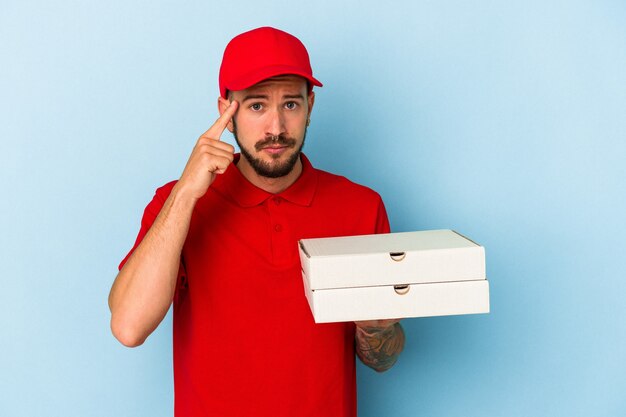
(221, 244)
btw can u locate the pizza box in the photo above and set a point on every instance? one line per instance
(394, 275)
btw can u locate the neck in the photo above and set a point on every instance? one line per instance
(271, 185)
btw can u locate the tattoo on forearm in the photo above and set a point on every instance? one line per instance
(379, 348)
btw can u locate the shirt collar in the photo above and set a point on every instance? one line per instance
(234, 185)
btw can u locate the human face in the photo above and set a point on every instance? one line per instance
(270, 124)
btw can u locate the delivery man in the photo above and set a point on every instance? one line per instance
(220, 244)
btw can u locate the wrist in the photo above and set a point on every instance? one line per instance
(182, 195)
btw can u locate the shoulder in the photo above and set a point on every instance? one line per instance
(341, 187)
(354, 208)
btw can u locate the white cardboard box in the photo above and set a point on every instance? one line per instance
(395, 275)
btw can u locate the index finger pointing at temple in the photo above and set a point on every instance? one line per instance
(215, 131)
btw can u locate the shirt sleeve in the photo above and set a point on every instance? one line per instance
(382, 221)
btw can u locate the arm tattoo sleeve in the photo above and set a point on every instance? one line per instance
(379, 348)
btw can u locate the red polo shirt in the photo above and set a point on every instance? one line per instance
(245, 343)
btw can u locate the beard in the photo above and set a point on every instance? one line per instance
(269, 169)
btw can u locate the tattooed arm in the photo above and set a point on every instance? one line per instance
(379, 343)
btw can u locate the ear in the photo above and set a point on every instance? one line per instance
(311, 101)
(222, 105)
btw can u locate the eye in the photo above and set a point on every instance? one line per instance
(256, 106)
(291, 105)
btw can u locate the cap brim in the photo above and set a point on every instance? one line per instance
(252, 78)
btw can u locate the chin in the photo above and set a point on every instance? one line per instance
(277, 167)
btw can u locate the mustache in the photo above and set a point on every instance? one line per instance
(269, 140)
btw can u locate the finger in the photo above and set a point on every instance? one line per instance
(215, 131)
(207, 143)
(220, 165)
(377, 324)
(211, 152)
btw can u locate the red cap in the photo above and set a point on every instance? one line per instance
(260, 54)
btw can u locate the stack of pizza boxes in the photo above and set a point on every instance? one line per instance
(395, 275)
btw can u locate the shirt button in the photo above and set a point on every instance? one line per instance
(277, 200)
(278, 228)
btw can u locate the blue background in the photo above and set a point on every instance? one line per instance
(504, 120)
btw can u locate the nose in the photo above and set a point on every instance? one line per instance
(275, 123)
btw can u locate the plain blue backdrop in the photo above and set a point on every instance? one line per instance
(505, 120)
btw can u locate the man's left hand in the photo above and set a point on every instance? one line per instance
(379, 342)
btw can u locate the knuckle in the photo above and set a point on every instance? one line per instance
(202, 141)
(202, 148)
(205, 158)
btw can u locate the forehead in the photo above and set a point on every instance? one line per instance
(282, 82)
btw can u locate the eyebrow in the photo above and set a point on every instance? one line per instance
(294, 96)
(254, 97)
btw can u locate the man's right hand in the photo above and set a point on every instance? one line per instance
(143, 290)
(209, 157)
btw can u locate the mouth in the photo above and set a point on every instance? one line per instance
(275, 149)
